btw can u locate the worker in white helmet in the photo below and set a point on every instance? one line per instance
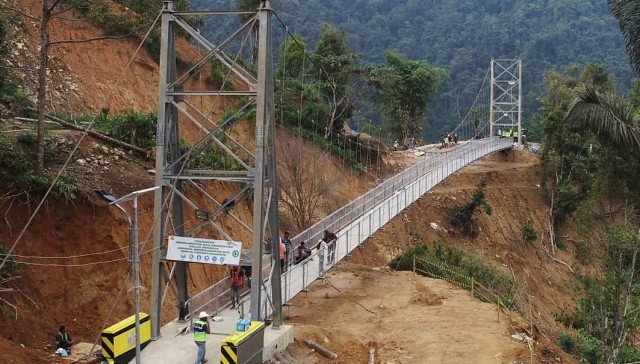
(200, 332)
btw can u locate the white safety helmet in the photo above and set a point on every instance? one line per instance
(203, 315)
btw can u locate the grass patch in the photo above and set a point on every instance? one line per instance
(17, 172)
(453, 264)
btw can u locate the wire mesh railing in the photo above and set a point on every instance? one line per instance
(359, 219)
(454, 276)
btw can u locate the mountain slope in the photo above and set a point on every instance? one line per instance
(463, 36)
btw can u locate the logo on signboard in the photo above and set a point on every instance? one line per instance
(235, 253)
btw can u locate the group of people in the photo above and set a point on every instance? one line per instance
(412, 144)
(511, 134)
(237, 276)
(293, 256)
(449, 139)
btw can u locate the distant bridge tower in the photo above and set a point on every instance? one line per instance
(189, 204)
(506, 96)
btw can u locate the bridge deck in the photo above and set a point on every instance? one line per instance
(353, 223)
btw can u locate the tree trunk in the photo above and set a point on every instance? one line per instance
(42, 85)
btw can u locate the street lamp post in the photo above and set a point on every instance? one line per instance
(134, 258)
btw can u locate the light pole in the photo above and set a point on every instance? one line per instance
(133, 243)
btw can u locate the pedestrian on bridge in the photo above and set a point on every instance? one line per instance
(237, 282)
(288, 249)
(200, 331)
(331, 240)
(282, 257)
(303, 253)
(322, 249)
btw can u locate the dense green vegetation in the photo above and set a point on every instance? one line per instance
(17, 171)
(11, 96)
(590, 170)
(462, 37)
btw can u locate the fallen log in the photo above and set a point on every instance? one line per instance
(100, 136)
(94, 134)
(329, 354)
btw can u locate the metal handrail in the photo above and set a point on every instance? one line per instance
(375, 208)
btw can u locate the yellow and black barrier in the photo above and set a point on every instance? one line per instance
(244, 347)
(119, 340)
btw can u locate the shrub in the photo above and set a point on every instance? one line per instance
(16, 170)
(454, 264)
(463, 214)
(132, 127)
(584, 252)
(404, 261)
(567, 342)
(589, 348)
(529, 234)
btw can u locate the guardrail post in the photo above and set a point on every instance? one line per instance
(286, 286)
(216, 303)
(304, 277)
(472, 286)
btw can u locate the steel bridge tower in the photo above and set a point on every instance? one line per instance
(184, 205)
(506, 96)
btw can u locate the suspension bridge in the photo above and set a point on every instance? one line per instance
(186, 206)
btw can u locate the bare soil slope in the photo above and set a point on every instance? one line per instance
(413, 319)
(408, 319)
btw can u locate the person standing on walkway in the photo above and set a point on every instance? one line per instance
(322, 249)
(200, 331)
(288, 249)
(282, 257)
(237, 281)
(331, 240)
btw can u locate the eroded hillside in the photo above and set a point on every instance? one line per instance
(81, 289)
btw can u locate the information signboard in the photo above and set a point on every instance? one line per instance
(198, 250)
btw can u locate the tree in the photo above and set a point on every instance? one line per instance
(304, 183)
(610, 309)
(608, 116)
(336, 65)
(567, 166)
(404, 87)
(50, 10)
(628, 12)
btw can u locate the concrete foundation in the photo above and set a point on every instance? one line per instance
(175, 348)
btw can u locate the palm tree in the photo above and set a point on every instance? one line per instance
(608, 116)
(628, 14)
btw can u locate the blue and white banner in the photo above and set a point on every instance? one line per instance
(198, 250)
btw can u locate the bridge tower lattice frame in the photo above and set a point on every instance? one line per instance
(506, 96)
(257, 179)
